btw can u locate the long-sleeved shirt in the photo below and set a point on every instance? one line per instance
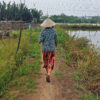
(48, 37)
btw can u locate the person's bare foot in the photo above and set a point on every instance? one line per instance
(48, 78)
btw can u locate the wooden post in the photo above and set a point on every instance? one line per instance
(19, 40)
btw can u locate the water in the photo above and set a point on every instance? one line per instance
(93, 36)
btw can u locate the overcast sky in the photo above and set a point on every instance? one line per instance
(69, 7)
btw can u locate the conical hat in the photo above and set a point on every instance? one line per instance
(48, 23)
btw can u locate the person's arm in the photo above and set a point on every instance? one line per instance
(41, 37)
(56, 38)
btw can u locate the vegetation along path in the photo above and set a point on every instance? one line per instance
(72, 78)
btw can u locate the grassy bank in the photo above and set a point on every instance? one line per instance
(19, 74)
(85, 59)
(79, 26)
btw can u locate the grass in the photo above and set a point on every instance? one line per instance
(77, 76)
(61, 52)
(90, 96)
(19, 74)
(78, 87)
(59, 75)
(83, 57)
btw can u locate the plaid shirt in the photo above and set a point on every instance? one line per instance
(48, 37)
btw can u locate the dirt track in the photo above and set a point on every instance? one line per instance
(55, 90)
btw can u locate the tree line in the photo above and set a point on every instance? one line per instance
(74, 19)
(16, 12)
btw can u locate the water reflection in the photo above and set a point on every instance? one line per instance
(93, 36)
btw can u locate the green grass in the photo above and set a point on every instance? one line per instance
(81, 56)
(12, 96)
(78, 87)
(20, 73)
(61, 51)
(30, 83)
(90, 96)
(77, 76)
(59, 75)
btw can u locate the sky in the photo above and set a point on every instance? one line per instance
(68, 7)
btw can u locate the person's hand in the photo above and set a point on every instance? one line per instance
(40, 44)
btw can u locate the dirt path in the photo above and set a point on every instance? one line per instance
(55, 90)
(48, 91)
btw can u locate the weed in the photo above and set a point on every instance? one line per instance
(79, 87)
(30, 83)
(90, 96)
(77, 76)
(59, 75)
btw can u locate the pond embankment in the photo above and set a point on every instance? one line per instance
(83, 57)
(80, 26)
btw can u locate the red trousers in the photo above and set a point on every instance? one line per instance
(48, 59)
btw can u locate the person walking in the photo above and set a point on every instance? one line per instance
(48, 41)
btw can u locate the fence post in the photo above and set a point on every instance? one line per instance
(19, 39)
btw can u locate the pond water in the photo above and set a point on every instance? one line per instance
(93, 36)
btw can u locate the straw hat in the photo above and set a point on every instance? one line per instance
(48, 23)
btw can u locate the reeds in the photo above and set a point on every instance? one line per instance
(83, 57)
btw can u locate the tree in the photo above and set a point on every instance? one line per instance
(36, 14)
(18, 12)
